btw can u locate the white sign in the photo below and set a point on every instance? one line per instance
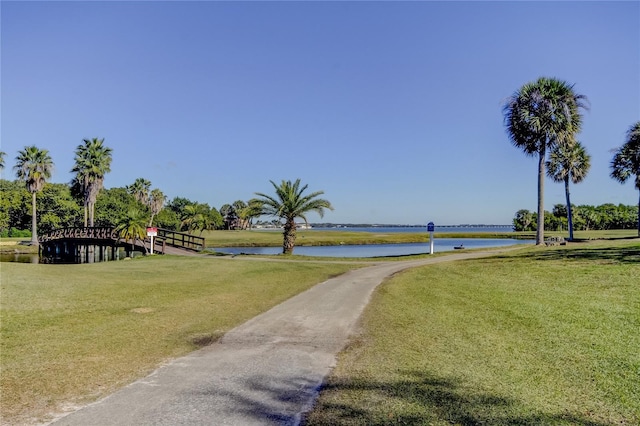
(430, 228)
(152, 232)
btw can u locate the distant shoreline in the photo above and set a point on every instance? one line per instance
(378, 225)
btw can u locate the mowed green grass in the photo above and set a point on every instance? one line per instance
(543, 336)
(74, 333)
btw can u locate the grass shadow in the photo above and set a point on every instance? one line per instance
(435, 400)
(624, 254)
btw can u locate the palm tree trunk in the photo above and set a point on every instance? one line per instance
(289, 240)
(34, 220)
(91, 247)
(540, 230)
(91, 204)
(87, 202)
(639, 214)
(569, 213)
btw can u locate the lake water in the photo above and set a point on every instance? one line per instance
(380, 250)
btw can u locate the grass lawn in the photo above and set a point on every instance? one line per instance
(71, 334)
(543, 336)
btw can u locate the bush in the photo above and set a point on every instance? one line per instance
(15, 233)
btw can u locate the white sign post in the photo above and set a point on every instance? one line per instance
(152, 232)
(431, 227)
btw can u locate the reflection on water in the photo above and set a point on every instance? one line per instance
(19, 257)
(380, 250)
(35, 258)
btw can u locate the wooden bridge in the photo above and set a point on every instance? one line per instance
(99, 244)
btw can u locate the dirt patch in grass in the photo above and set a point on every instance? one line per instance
(142, 310)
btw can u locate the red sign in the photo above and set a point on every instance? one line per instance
(152, 232)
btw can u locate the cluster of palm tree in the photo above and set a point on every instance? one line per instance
(543, 119)
(93, 160)
(34, 166)
(133, 226)
(545, 116)
(154, 199)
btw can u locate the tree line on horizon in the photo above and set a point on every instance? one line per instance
(60, 207)
(585, 218)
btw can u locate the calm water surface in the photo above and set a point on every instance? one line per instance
(21, 258)
(377, 250)
(380, 250)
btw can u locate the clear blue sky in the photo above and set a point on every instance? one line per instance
(394, 109)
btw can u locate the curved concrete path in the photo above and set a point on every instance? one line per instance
(265, 372)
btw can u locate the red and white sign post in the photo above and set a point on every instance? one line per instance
(152, 232)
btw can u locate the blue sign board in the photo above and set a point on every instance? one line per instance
(431, 227)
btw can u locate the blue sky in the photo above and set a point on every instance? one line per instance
(394, 109)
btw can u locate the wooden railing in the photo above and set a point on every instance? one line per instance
(106, 233)
(91, 233)
(180, 239)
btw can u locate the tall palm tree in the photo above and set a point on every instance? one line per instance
(140, 190)
(626, 161)
(92, 162)
(132, 227)
(539, 116)
(156, 202)
(2, 154)
(568, 163)
(34, 167)
(288, 204)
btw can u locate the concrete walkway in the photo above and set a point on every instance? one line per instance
(264, 372)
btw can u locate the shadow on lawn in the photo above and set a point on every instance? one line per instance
(445, 401)
(575, 252)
